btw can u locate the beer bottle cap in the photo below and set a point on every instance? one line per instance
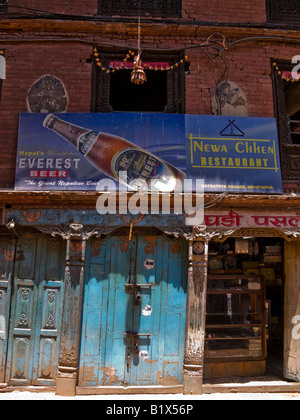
(48, 120)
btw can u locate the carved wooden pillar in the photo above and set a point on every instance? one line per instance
(66, 380)
(195, 317)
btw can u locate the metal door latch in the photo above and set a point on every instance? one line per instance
(136, 343)
(129, 334)
(132, 288)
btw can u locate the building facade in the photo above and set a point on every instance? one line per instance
(103, 303)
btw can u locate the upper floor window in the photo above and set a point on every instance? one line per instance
(3, 4)
(148, 8)
(164, 91)
(283, 11)
(287, 105)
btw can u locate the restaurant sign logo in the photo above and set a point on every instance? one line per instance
(240, 157)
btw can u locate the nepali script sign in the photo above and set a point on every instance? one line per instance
(75, 151)
(237, 220)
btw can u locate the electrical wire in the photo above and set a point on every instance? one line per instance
(213, 48)
(215, 200)
(44, 12)
(211, 45)
(263, 38)
(146, 19)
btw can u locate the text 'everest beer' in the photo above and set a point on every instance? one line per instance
(111, 155)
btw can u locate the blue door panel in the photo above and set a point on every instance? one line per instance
(123, 342)
(117, 313)
(96, 296)
(7, 255)
(35, 312)
(24, 302)
(172, 314)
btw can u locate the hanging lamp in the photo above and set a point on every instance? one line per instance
(138, 75)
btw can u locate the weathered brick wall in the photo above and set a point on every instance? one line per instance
(234, 11)
(75, 7)
(249, 62)
(249, 66)
(26, 63)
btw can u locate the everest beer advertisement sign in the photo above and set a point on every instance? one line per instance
(73, 151)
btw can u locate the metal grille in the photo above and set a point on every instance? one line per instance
(162, 8)
(284, 11)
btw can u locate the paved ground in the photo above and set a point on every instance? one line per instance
(173, 398)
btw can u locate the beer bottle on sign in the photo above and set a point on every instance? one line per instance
(111, 154)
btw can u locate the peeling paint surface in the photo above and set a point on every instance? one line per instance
(109, 376)
(2, 328)
(35, 318)
(124, 343)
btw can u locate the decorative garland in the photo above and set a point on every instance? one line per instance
(128, 56)
(281, 74)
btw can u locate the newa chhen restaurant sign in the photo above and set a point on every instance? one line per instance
(73, 151)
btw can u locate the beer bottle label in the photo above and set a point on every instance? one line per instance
(86, 141)
(142, 169)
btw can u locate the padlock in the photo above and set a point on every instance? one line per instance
(138, 298)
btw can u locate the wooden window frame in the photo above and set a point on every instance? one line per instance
(3, 4)
(147, 8)
(100, 98)
(283, 11)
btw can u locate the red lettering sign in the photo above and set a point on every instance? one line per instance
(48, 174)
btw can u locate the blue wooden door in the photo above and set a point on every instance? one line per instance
(35, 312)
(7, 257)
(133, 324)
